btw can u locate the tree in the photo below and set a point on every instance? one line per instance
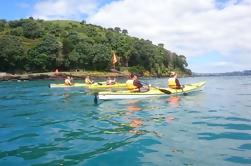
(85, 54)
(16, 23)
(83, 22)
(2, 24)
(50, 48)
(72, 60)
(17, 31)
(70, 42)
(161, 45)
(11, 53)
(124, 31)
(37, 61)
(32, 30)
(102, 57)
(117, 29)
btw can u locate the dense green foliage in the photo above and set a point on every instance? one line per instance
(37, 45)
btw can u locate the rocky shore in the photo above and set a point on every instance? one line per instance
(60, 75)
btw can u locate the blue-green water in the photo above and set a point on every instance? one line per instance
(42, 126)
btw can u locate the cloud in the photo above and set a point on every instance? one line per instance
(192, 28)
(64, 9)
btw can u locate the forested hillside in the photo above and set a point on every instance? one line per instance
(29, 45)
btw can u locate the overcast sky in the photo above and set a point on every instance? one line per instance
(214, 35)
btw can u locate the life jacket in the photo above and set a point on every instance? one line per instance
(130, 86)
(172, 84)
(67, 82)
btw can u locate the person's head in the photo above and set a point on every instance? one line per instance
(109, 78)
(68, 77)
(135, 77)
(87, 77)
(131, 76)
(173, 74)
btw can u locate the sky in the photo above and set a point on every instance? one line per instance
(214, 35)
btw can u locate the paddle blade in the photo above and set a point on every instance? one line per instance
(165, 91)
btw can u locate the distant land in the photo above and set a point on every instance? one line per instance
(234, 73)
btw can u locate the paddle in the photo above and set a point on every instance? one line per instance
(160, 89)
(164, 90)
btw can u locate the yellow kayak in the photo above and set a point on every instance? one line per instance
(98, 85)
(104, 85)
(153, 92)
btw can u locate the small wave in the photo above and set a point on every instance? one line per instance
(226, 126)
(31, 152)
(25, 114)
(30, 135)
(244, 94)
(212, 111)
(239, 160)
(225, 135)
(245, 147)
(55, 122)
(238, 119)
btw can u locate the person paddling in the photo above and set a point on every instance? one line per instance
(110, 81)
(67, 81)
(173, 82)
(133, 84)
(88, 80)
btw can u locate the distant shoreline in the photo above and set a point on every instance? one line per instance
(234, 73)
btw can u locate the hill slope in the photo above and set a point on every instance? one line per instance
(29, 45)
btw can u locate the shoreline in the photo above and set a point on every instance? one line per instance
(60, 75)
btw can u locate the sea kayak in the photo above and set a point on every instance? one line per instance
(153, 92)
(99, 85)
(66, 86)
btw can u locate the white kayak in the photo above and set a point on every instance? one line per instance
(153, 92)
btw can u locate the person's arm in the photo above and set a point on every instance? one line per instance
(178, 83)
(137, 83)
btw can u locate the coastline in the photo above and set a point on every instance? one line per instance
(75, 74)
(60, 75)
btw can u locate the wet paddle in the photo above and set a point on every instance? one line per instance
(164, 91)
(160, 89)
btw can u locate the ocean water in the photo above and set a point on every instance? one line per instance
(43, 126)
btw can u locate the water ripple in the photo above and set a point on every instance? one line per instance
(31, 152)
(227, 126)
(239, 160)
(30, 135)
(245, 147)
(225, 135)
(238, 119)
